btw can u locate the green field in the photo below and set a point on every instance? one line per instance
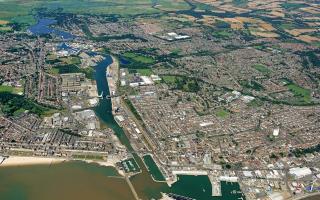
(287, 26)
(169, 5)
(139, 58)
(5, 28)
(222, 34)
(68, 64)
(16, 11)
(304, 95)
(10, 89)
(153, 168)
(23, 11)
(255, 103)
(145, 72)
(183, 83)
(262, 68)
(71, 60)
(66, 69)
(12, 104)
(222, 113)
(169, 79)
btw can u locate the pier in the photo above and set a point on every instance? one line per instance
(132, 188)
(216, 186)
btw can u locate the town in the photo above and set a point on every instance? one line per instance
(221, 90)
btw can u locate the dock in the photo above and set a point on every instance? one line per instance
(216, 186)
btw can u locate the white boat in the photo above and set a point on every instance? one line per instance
(101, 95)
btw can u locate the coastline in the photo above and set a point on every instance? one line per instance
(106, 163)
(16, 161)
(28, 160)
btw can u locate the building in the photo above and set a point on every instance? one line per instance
(300, 172)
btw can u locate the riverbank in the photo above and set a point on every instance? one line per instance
(112, 79)
(23, 161)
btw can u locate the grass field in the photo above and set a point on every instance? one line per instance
(302, 96)
(170, 5)
(222, 34)
(23, 11)
(10, 89)
(5, 28)
(300, 92)
(169, 79)
(222, 113)
(18, 11)
(255, 103)
(144, 72)
(262, 68)
(71, 60)
(183, 83)
(139, 58)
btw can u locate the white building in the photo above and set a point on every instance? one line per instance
(276, 132)
(300, 172)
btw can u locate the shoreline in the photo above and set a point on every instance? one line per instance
(105, 163)
(14, 161)
(17, 161)
(35, 160)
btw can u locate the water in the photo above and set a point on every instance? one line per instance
(104, 109)
(153, 168)
(66, 181)
(43, 27)
(199, 187)
(123, 61)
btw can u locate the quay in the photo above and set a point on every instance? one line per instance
(216, 186)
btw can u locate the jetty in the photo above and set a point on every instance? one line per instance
(216, 186)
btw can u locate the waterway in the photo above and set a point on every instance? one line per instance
(43, 27)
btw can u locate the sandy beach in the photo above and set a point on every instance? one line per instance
(23, 161)
(19, 161)
(110, 162)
